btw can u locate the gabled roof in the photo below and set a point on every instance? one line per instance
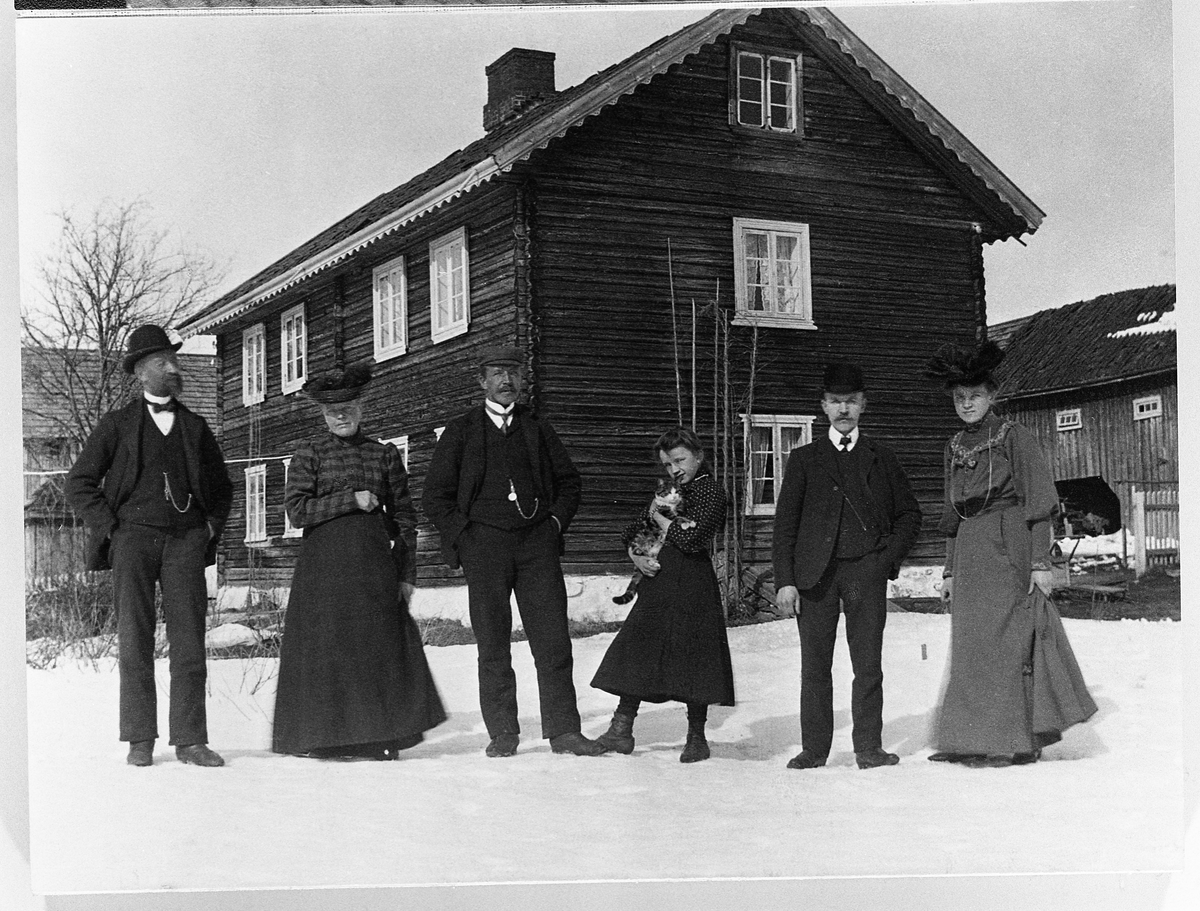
(1108, 339)
(515, 141)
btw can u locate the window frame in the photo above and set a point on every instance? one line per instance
(389, 270)
(254, 376)
(455, 327)
(743, 315)
(1067, 419)
(256, 487)
(779, 459)
(766, 55)
(289, 318)
(1155, 403)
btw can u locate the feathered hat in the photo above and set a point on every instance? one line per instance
(955, 366)
(338, 385)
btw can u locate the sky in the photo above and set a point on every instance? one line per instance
(248, 134)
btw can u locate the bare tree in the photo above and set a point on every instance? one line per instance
(112, 271)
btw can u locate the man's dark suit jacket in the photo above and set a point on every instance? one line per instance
(455, 474)
(810, 505)
(106, 473)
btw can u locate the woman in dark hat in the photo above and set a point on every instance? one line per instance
(673, 645)
(1006, 639)
(353, 680)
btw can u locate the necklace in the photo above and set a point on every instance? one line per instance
(962, 457)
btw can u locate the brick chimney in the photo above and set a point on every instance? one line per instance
(518, 81)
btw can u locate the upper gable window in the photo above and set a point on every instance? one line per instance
(1148, 407)
(773, 284)
(449, 286)
(766, 91)
(1068, 419)
(293, 348)
(390, 295)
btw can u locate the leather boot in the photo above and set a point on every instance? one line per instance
(696, 747)
(619, 736)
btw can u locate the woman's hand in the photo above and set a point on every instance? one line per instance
(948, 589)
(1043, 579)
(647, 566)
(406, 591)
(366, 500)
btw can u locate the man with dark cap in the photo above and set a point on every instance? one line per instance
(502, 490)
(151, 486)
(844, 521)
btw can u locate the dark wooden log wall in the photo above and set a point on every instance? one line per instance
(411, 395)
(895, 270)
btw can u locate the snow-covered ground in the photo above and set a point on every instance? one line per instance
(1109, 797)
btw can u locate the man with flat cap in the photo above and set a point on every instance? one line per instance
(845, 519)
(502, 491)
(151, 486)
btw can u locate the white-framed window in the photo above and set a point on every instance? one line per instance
(449, 286)
(254, 365)
(1068, 419)
(256, 504)
(770, 438)
(400, 443)
(293, 348)
(1149, 406)
(772, 276)
(289, 530)
(390, 295)
(766, 91)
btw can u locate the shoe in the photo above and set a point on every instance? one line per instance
(619, 736)
(806, 760)
(502, 745)
(141, 753)
(874, 758)
(1026, 758)
(198, 754)
(576, 744)
(696, 748)
(954, 757)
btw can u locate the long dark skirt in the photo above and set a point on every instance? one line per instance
(352, 667)
(673, 644)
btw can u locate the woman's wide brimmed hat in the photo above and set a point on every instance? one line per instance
(335, 386)
(957, 366)
(146, 340)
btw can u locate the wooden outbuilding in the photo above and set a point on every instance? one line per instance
(692, 233)
(1097, 382)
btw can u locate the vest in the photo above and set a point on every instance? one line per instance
(506, 459)
(859, 527)
(161, 469)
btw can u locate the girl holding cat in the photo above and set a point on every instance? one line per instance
(673, 645)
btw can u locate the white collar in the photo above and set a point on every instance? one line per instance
(835, 437)
(157, 399)
(497, 408)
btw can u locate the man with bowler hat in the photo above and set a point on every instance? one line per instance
(151, 486)
(502, 491)
(845, 518)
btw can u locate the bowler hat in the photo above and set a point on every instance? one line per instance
(146, 340)
(335, 386)
(843, 378)
(502, 356)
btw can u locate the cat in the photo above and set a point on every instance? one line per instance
(650, 538)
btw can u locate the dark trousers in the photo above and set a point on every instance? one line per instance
(498, 563)
(861, 587)
(141, 556)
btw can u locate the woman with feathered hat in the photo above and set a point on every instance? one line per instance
(1013, 685)
(353, 680)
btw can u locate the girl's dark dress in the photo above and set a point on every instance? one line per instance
(673, 644)
(352, 667)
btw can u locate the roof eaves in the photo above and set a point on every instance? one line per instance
(538, 133)
(1077, 387)
(912, 100)
(432, 199)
